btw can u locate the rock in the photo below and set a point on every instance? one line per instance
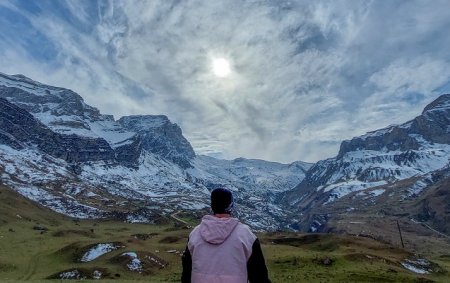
(49, 116)
(327, 261)
(431, 125)
(40, 228)
(142, 236)
(161, 137)
(20, 129)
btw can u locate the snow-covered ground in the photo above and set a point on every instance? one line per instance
(135, 263)
(419, 266)
(98, 250)
(51, 182)
(244, 173)
(73, 274)
(365, 169)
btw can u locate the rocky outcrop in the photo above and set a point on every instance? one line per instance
(433, 207)
(161, 137)
(432, 125)
(65, 112)
(39, 98)
(19, 129)
(129, 154)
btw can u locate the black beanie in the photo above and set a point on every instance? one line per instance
(221, 201)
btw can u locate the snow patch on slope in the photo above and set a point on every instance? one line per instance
(364, 169)
(97, 251)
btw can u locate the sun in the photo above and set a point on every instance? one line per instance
(221, 67)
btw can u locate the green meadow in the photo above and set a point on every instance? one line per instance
(38, 245)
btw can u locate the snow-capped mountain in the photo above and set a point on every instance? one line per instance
(66, 155)
(161, 137)
(247, 176)
(66, 113)
(369, 167)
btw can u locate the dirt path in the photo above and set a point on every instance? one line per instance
(31, 267)
(430, 228)
(174, 216)
(436, 231)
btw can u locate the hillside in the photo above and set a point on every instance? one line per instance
(58, 151)
(399, 173)
(36, 243)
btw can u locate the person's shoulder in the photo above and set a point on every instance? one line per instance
(244, 228)
(195, 230)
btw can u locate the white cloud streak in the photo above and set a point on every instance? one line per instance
(305, 75)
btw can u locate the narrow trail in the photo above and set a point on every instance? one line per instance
(436, 231)
(174, 216)
(32, 266)
(430, 228)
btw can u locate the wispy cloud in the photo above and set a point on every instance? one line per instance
(305, 75)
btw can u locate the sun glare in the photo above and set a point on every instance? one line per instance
(221, 67)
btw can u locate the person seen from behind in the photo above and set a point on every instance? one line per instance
(222, 249)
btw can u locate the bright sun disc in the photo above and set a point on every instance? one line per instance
(221, 67)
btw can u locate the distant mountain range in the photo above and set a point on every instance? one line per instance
(59, 151)
(66, 155)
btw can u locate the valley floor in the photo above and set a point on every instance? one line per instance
(37, 244)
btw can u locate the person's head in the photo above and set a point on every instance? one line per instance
(222, 201)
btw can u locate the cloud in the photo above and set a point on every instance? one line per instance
(305, 75)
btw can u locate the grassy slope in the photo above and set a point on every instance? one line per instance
(26, 254)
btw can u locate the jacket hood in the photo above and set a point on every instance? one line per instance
(216, 230)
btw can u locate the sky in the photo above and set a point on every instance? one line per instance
(304, 75)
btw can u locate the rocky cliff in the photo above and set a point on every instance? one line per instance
(161, 137)
(19, 129)
(432, 125)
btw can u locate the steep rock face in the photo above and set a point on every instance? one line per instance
(81, 127)
(65, 112)
(39, 98)
(20, 129)
(432, 125)
(129, 153)
(161, 137)
(62, 110)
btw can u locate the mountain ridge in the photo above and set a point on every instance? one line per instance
(146, 169)
(368, 167)
(142, 169)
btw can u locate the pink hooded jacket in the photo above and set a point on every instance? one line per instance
(220, 249)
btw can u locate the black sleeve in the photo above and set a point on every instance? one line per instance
(186, 261)
(256, 266)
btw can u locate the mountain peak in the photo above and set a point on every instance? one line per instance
(23, 82)
(430, 126)
(440, 103)
(161, 137)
